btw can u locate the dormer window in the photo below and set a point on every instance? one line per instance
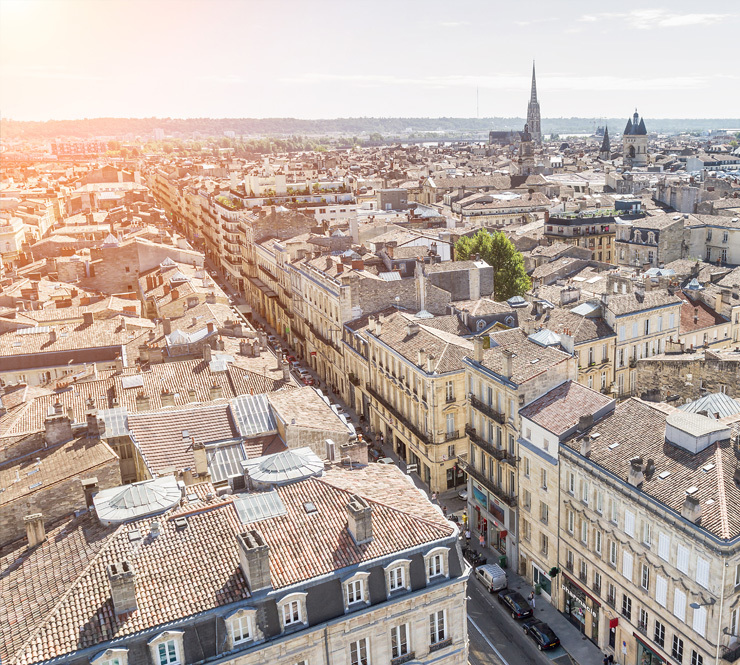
(293, 610)
(242, 627)
(166, 648)
(356, 590)
(437, 563)
(111, 657)
(397, 576)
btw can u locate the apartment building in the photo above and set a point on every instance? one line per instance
(644, 320)
(545, 423)
(408, 381)
(12, 237)
(594, 230)
(650, 241)
(513, 371)
(649, 546)
(713, 238)
(183, 579)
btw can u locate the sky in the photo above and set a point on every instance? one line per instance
(69, 59)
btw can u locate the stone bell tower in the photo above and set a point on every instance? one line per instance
(635, 142)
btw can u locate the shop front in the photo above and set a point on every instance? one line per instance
(489, 520)
(581, 609)
(646, 656)
(540, 577)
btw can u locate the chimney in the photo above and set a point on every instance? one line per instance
(95, 427)
(340, 268)
(691, 509)
(175, 293)
(57, 429)
(430, 364)
(35, 531)
(90, 489)
(254, 558)
(696, 315)
(52, 336)
(122, 587)
(208, 352)
(421, 357)
(359, 519)
(215, 392)
(478, 349)
(331, 450)
(168, 398)
(201, 460)
(245, 348)
(412, 328)
(508, 363)
(143, 402)
(378, 326)
(640, 291)
(636, 476)
(211, 326)
(166, 289)
(166, 326)
(586, 445)
(585, 421)
(87, 318)
(286, 370)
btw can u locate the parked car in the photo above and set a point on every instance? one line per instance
(385, 460)
(517, 604)
(463, 494)
(274, 341)
(541, 633)
(476, 558)
(492, 576)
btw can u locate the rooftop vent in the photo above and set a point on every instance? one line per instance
(310, 507)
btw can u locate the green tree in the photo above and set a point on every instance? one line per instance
(509, 277)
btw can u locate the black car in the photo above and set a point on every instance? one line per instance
(517, 603)
(541, 633)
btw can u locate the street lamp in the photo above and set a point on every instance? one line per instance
(696, 606)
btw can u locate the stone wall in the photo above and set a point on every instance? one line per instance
(690, 376)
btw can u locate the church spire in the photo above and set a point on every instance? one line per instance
(533, 112)
(533, 95)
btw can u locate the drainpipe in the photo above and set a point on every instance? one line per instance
(721, 607)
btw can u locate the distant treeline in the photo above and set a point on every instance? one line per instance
(388, 127)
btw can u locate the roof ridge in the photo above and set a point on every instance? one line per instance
(108, 544)
(722, 497)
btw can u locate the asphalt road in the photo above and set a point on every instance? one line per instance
(497, 639)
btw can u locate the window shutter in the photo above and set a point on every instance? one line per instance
(627, 565)
(702, 572)
(661, 590)
(663, 546)
(679, 604)
(700, 621)
(629, 523)
(682, 558)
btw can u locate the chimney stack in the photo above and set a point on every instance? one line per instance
(412, 328)
(201, 459)
(166, 326)
(142, 402)
(359, 519)
(691, 509)
(430, 364)
(478, 349)
(57, 429)
(421, 357)
(286, 370)
(87, 318)
(35, 531)
(636, 476)
(508, 363)
(90, 489)
(585, 421)
(122, 587)
(586, 445)
(207, 352)
(254, 557)
(168, 398)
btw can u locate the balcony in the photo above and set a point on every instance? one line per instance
(499, 453)
(319, 336)
(611, 601)
(569, 566)
(398, 415)
(440, 645)
(451, 436)
(642, 627)
(583, 577)
(399, 660)
(508, 499)
(732, 654)
(597, 589)
(353, 379)
(488, 410)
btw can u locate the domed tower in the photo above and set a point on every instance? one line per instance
(533, 112)
(635, 142)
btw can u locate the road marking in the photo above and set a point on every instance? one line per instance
(488, 642)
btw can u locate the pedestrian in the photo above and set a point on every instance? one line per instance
(467, 537)
(531, 599)
(482, 540)
(465, 518)
(444, 510)
(606, 660)
(434, 497)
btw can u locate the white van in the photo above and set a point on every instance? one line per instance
(492, 576)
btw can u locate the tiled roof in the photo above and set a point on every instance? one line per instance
(639, 430)
(560, 409)
(582, 328)
(705, 315)
(529, 359)
(56, 597)
(627, 303)
(307, 408)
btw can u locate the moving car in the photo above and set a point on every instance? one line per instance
(463, 494)
(492, 576)
(516, 603)
(541, 633)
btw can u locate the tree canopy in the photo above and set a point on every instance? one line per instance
(509, 276)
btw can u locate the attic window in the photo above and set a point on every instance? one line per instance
(181, 523)
(596, 435)
(310, 507)
(532, 362)
(134, 535)
(185, 434)
(34, 486)
(36, 470)
(692, 490)
(664, 475)
(612, 446)
(708, 467)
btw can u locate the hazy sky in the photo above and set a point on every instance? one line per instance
(332, 58)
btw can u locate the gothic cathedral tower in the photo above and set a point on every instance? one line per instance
(533, 112)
